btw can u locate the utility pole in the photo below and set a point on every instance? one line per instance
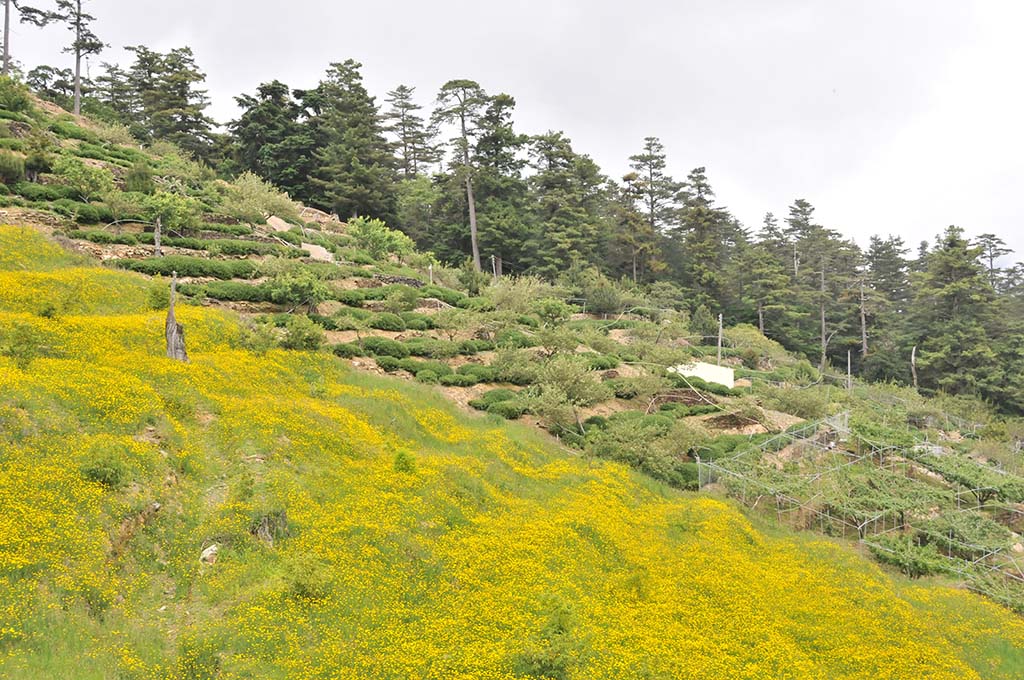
(719, 339)
(863, 322)
(7, 38)
(494, 267)
(849, 370)
(821, 307)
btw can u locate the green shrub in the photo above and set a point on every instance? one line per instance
(68, 130)
(385, 347)
(236, 291)
(602, 362)
(388, 363)
(490, 397)
(106, 468)
(481, 372)
(515, 367)
(348, 350)
(12, 168)
(427, 376)
(386, 321)
(302, 334)
(352, 298)
(446, 295)
(373, 236)
(190, 266)
(459, 380)
(475, 346)
(14, 96)
(431, 347)
(510, 410)
(417, 322)
(510, 337)
(103, 237)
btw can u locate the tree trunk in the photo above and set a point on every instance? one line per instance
(863, 323)
(821, 308)
(760, 316)
(78, 60)
(913, 365)
(472, 221)
(156, 238)
(719, 339)
(634, 267)
(173, 330)
(7, 37)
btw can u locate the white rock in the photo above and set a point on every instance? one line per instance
(209, 556)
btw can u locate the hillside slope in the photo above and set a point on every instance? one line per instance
(365, 530)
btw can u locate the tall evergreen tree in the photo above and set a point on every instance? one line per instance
(271, 139)
(460, 102)
(84, 42)
(569, 190)
(413, 136)
(992, 248)
(954, 305)
(657, 189)
(356, 169)
(701, 231)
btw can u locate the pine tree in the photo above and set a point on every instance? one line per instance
(271, 139)
(992, 248)
(460, 102)
(569, 198)
(356, 168)
(954, 305)
(633, 244)
(701, 231)
(84, 43)
(657, 190)
(413, 137)
(500, 191)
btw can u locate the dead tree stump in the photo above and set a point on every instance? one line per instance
(174, 331)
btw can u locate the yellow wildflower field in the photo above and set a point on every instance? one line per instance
(364, 529)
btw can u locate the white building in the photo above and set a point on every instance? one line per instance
(723, 375)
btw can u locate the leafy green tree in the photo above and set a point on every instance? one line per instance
(373, 236)
(87, 181)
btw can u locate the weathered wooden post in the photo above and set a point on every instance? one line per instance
(174, 332)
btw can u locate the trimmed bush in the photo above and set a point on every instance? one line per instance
(352, 298)
(481, 372)
(387, 321)
(459, 380)
(446, 295)
(510, 337)
(431, 347)
(12, 168)
(190, 266)
(103, 237)
(388, 363)
(603, 362)
(385, 347)
(43, 192)
(475, 346)
(348, 350)
(510, 410)
(427, 376)
(491, 397)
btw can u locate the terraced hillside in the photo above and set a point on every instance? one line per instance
(364, 529)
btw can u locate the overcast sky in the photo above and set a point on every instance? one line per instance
(889, 116)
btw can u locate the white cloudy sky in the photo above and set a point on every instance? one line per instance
(889, 116)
